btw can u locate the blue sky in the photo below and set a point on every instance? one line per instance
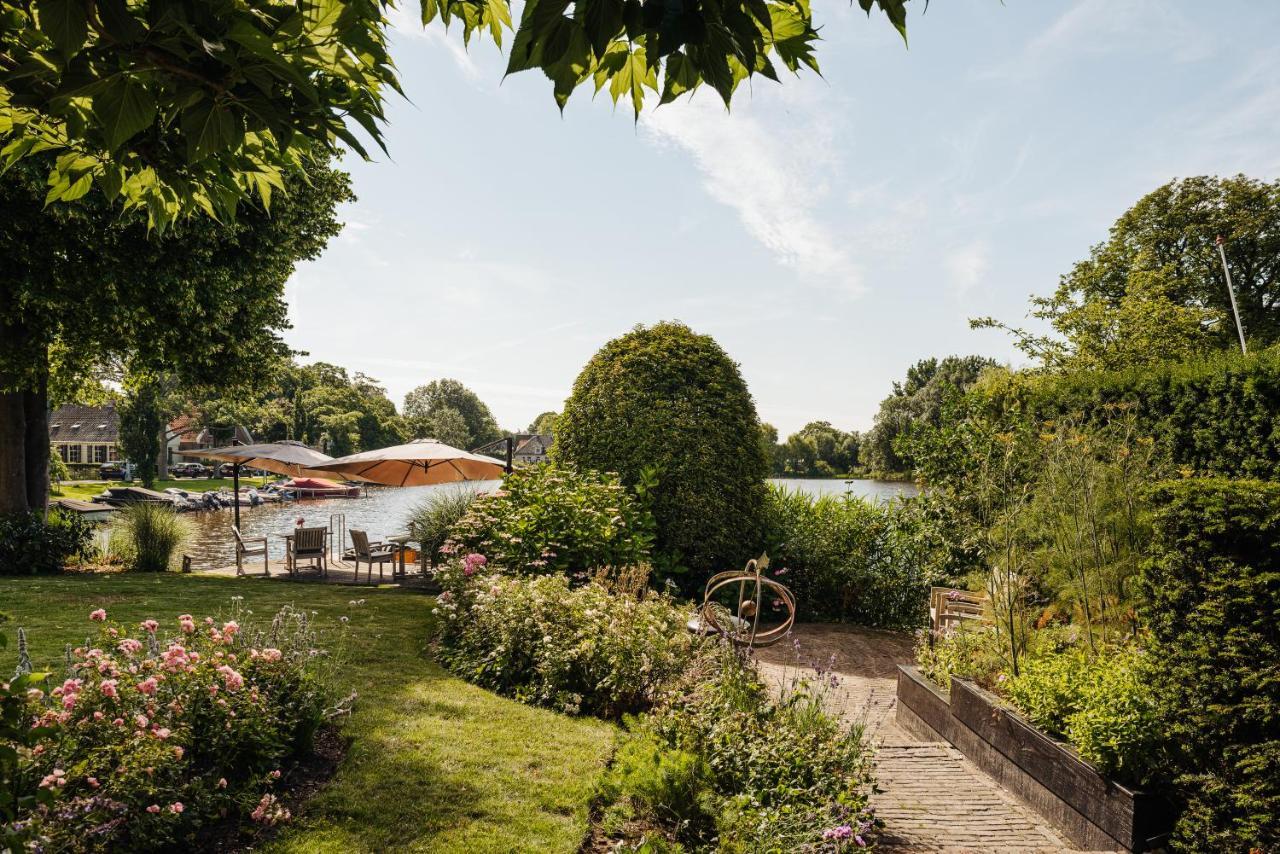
(828, 232)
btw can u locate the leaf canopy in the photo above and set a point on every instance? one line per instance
(182, 106)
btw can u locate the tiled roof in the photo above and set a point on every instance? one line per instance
(76, 423)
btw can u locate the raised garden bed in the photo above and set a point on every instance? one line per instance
(1092, 811)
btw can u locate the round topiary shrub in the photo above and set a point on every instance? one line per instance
(666, 399)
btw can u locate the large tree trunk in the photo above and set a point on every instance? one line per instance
(36, 406)
(13, 452)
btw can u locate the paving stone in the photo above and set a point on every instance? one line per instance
(933, 798)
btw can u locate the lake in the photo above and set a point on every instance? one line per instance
(385, 510)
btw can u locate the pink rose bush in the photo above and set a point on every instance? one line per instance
(166, 727)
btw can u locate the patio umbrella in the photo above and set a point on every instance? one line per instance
(292, 459)
(420, 462)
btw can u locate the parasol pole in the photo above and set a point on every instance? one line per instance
(235, 483)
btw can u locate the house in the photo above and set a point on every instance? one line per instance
(85, 434)
(184, 433)
(529, 448)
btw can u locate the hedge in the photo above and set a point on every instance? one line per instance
(1216, 416)
(1212, 588)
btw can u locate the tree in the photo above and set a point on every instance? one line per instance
(421, 406)
(544, 423)
(819, 450)
(446, 424)
(84, 285)
(142, 424)
(918, 400)
(663, 397)
(179, 107)
(1155, 291)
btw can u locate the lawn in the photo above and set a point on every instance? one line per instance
(85, 491)
(435, 764)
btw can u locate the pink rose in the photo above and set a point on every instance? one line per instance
(222, 782)
(175, 807)
(99, 615)
(150, 625)
(141, 721)
(108, 687)
(154, 808)
(230, 627)
(92, 781)
(147, 686)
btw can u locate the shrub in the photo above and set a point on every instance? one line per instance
(602, 648)
(432, 520)
(1212, 588)
(790, 776)
(1213, 415)
(850, 559)
(659, 787)
(553, 519)
(149, 535)
(1116, 726)
(665, 397)
(1050, 689)
(149, 738)
(970, 652)
(30, 546)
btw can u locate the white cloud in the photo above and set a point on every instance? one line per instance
(408, 27)
(966, 266)
(1098, 27)
(772, 173)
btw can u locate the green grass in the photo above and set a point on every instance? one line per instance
(435, 764)
(85, 491)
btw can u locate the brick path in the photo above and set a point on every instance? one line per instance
(934, 799)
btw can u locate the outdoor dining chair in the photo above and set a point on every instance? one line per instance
(251, 547)
(371, 553)
(308, 544)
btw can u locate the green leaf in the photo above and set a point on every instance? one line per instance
(124, 108)
(632, 76)
(602, 20)
(680, 77)
(64, 22)
(208, 128)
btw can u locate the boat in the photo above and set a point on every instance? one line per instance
(87, 510)
(121, 496)
(319, 487)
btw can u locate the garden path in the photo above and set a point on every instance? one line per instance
(933, 799)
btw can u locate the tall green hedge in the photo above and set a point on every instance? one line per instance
(1212, 588)
(668, 398)
(1215, 416)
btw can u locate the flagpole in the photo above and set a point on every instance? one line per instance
(1231, 291)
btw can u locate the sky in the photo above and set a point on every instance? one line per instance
(828, 232)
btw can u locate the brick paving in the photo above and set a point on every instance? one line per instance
(933, 799)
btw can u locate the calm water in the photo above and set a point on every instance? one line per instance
(385, 510)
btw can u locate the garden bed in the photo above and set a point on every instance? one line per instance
(1091, 810)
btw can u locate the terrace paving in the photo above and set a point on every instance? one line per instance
(933, 798)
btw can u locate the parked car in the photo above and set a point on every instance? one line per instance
(228, 469)
(111, 471)
(189, 470)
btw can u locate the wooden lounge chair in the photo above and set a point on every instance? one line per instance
(371, 553)
(949, 607)
(309, 544)
(251, 547)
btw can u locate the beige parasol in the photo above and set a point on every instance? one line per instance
(291, 459)
(420, 462)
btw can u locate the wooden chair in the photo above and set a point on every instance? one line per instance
(949, 606)
(251, 547)
(371, 553)
(309, 544)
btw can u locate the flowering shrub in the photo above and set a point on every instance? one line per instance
(551, 519)
(596, 649)
(153, 733)
(787, 776)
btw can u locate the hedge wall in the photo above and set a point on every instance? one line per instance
(1216, 416)
(1212, 588)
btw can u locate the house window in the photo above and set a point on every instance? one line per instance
(73, 455)
(64, 452)
(99, 453)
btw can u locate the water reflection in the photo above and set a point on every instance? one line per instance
(385, 511)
